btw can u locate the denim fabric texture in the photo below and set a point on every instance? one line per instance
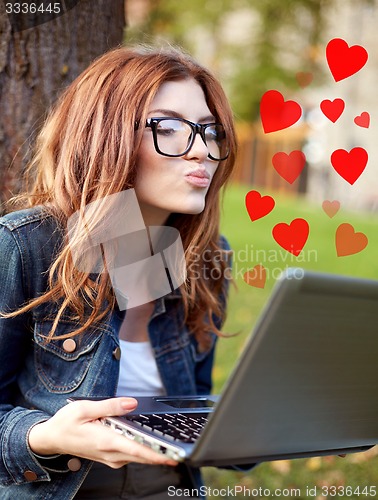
(37, 378)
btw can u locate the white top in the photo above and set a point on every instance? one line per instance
(138, 375)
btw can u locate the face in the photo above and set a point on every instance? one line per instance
(165, 185)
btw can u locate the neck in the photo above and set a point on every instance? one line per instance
(153, 216)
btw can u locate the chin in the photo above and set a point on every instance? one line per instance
(187, 207)
(194, 206)
(193, 210)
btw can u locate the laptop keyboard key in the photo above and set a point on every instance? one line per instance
(183, 427)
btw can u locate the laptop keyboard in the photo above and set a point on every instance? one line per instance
(184, 427)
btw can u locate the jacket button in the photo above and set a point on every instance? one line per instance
(74, 464)
(69, 345)
(29, 475)
(117, 353)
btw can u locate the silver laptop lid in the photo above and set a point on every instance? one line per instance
(307, 381)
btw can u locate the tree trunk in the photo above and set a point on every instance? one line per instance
(36, 64)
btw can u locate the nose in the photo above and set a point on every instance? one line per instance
(199, 151)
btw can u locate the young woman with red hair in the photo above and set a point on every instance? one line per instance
(157, 124)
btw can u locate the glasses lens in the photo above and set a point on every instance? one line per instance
(215, 137)
(173, 136)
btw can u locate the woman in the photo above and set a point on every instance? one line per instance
(157, 123)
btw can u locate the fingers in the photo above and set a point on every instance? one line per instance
(75, 430)
(147, 455)
(93, 410)
(121, 448)
(134, 451)
(118, 465)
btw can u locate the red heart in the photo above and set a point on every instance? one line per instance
(344, 61)
(331, 207)
(348, 242)
(276, 114)
(256, 276)
(289, 166)
(363, 120)
(349, 165)
(332, 109)
(292, 237)
(258, 206)
(304, 78)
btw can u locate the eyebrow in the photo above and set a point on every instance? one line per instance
(176, 114)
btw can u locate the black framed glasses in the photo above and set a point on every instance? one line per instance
(175, 136)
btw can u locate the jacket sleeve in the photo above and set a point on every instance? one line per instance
(17, 463)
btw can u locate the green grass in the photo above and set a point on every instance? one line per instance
(253, 244)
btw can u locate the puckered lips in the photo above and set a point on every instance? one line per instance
(199, 178)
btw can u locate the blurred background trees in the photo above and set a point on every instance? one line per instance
(252, 44)
(36, 64)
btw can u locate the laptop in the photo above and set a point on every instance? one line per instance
(306, 384)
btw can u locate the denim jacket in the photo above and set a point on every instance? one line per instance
(37, 378)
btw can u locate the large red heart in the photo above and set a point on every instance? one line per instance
(349, 165)
(348, 241)
(332, 109)
(258, 206)
(276, 113)
(344, 61)
(292, 237)
(289, 166)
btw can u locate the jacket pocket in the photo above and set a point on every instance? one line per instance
(62, 365)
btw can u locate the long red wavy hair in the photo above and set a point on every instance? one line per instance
(87, 150)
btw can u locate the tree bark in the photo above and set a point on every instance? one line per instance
(36, 64)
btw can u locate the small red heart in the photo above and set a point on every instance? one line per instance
(332, 109)
(349, 165)
(344, 61)
(256, 277)
(363, 120)
(304, 78)
(276, 113)
(258, 206)
(292, 237)
(348, 242)
(331, 207)
(289, 166)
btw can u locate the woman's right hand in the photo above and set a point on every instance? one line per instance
(76, 430)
